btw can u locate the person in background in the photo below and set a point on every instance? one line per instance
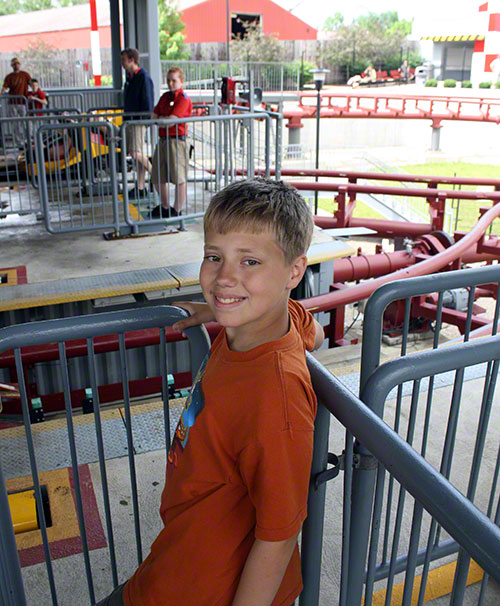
(404, 70)
(17, 83)
(138, 96)
(36, 97)
(170, 160)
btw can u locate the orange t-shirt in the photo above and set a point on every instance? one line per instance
(238, 469)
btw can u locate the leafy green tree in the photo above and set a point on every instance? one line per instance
(8, 7)
(28, 6)
(332, 24)
(256, 46)
(373, 39)
(171, 27)
(72, 2)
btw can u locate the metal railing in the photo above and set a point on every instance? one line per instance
(270, 77)
(471, 530)
(60, 72)
(451, 425)
(85, 98)
(88, 185)
(12, 590)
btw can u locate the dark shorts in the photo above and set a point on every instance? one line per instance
(114, 599)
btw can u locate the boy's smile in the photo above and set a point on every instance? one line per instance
(246, 283)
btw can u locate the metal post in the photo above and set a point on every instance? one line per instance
(251, 147)
(318, 110)
(312, 530)
(228, 32)
(436, 135)
(116, 68)
(12, 589)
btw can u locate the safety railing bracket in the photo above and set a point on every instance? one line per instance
(329, 474)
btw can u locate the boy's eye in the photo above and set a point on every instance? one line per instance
(213, 258)
(251, 262)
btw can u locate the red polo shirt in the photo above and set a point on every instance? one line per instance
(176, 104)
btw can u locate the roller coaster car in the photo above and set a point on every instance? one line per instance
(64, 150)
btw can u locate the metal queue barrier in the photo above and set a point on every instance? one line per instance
(85, 98)
(217, 148)
(18, 164)
(88, 186)
(391, 544)
(107, 440)
(75, 170)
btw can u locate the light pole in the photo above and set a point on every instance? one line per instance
(319, 77)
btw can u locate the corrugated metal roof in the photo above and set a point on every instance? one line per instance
(54, 19)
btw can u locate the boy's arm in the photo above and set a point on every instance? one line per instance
(319, 337)
(263, 572)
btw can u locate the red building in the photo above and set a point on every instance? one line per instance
(207, 21)
(69, 27)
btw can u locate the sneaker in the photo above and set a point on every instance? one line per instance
(164, 213)
(137, 194)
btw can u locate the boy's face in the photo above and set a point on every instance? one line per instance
(174, 81)
(34, 86)
(246, 283)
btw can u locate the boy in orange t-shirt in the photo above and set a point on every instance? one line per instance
(238, 469)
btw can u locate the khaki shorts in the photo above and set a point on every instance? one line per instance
(170, 161)
(135, 138)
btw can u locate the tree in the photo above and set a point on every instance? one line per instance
(376, 39)
(332, 24)
(256, 46)
(72, 2)
(36, 5)
(8, 7)
(171, 27)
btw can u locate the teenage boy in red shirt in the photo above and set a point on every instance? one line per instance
(238, 469)
(170, 160)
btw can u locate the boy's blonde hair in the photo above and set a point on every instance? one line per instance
(258, 204)
(177, 70)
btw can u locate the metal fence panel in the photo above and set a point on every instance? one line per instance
(102, 570)
(270, 77)
(416, 415)
(467, 525)
(78, 174)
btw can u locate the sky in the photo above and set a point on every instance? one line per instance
(315, 12)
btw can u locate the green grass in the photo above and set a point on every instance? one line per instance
(468, 210)
(454, 169)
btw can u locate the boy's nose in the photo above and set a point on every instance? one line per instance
(226, 274)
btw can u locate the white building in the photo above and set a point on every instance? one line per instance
(462, 47)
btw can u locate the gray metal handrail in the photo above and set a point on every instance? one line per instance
(470, 527)
(411, 287)
(59, 331)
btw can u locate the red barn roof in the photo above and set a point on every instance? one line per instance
(206, 21)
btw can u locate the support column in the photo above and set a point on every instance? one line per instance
(436, 134)
(116, 67)
(147, 39)
(294, 125)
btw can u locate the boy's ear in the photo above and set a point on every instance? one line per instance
(298, 268)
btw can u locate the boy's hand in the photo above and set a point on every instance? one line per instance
(200, 314)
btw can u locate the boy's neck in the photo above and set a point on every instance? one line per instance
(243, 339)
